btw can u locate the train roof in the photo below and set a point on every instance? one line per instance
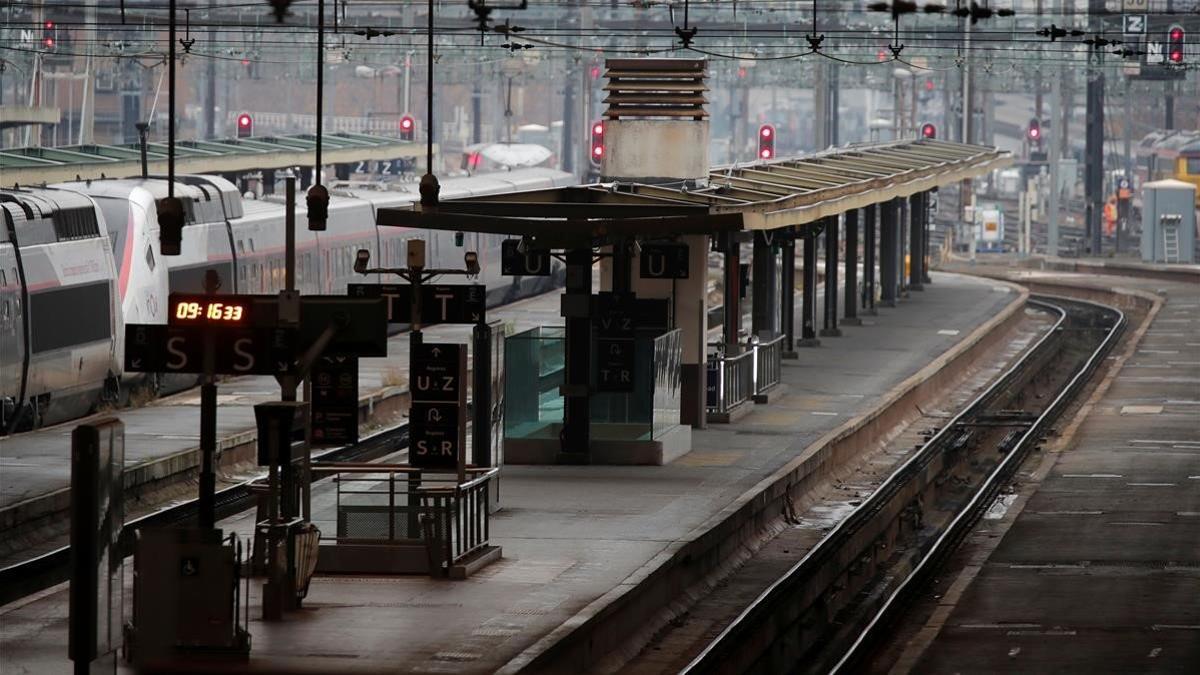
(499, 182)
(49, 214)
(202, 196)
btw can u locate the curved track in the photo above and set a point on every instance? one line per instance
(828, 610)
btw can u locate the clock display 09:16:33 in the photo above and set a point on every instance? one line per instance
(209, 311)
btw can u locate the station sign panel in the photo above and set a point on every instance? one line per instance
(440, 303)
(663, 261)
(615, 364)
(155, 348)
(334, 381)
(514, 263)
(437, 419)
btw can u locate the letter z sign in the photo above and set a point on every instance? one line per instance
(437, 423)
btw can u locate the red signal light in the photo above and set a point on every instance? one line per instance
(595, 72)
(766, 141)
(408, 127)
(49, 25)
(1175, 39)
(597, 143)
(245, 126)
(49, 42)
(928, 85)
(928, 131)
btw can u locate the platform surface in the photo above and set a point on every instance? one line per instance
(571, 534)
(1100, 570)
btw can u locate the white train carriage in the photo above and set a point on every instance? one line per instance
(62, 333)
(60, 312)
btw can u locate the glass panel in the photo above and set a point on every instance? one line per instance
(534, 368)
(668, 359)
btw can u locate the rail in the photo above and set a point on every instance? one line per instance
(788, 598)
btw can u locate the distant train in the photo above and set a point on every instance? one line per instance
(81, 259)
(1171, 154)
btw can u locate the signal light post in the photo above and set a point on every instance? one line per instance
(1175, 42)
(597, 149)
(408, 128)
(766, 141)
(245, 126)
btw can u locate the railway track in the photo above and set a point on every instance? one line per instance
(46, 570)
(830, 609)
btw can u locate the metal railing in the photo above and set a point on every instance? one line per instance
(734, 380)
(731, 381)
(403, 505)
(455, 521)
(768, 364)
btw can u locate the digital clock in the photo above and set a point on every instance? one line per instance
(215, 310)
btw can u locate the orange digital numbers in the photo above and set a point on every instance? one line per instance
(190, 311)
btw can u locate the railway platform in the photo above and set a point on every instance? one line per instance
(1093, 565)
(162, 437)
(588, 547)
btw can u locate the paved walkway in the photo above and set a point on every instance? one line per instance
(574, 534)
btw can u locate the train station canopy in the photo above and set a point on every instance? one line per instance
(34, 166)
(762, 195)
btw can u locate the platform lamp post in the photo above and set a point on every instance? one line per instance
(417, 274)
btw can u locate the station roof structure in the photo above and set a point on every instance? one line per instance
(33, 166)
(764, 195)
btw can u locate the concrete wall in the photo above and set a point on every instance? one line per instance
(656, 150)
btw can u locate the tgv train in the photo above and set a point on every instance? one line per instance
(80, 260)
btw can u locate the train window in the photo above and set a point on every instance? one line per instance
(150, 257)
(241, 247)
(1193, 165)
(69, 316)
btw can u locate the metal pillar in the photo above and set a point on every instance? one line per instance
(888, 253)
(850, 299)
(733, 292)
(576, 309)
(829, 327)
(765, 289)
(869, 249)
(916, 241)
(789, 293)
(808, 307)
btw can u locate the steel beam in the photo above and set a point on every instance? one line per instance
(850, 297)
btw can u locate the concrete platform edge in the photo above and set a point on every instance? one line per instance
(617, 620)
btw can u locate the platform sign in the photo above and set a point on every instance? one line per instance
(1135, 24)
(155, 348)
(440, 303)
(514, 263)
(334, 400)
(362, 324)
(437, 419)
(664, 261)
(615, 363)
